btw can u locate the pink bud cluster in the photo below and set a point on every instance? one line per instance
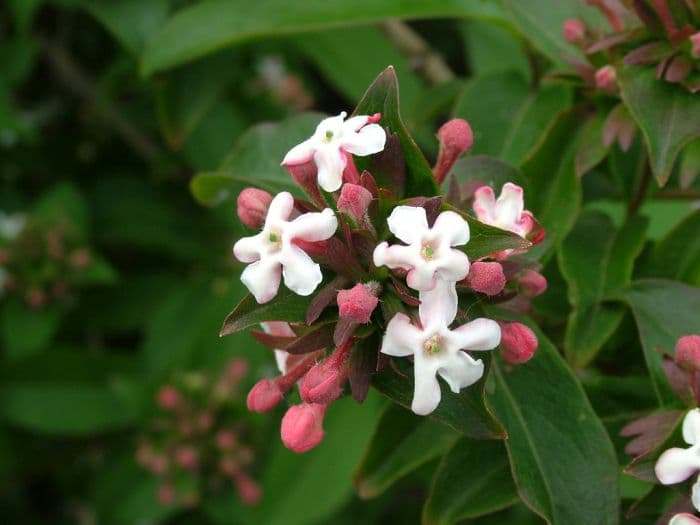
(193, 436)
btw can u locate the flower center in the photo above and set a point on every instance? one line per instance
(434, 345)
(274, 237)
(427, 252)
(328, 136)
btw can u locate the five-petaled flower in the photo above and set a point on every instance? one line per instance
(438, 350)
(678, 464)
(334, 139)
(429, 255)
(507, 212)
(273, 253)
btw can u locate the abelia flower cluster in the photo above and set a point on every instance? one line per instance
(387, 278)
(195, 444)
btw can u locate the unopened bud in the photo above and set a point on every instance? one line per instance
(36, 298)
(166, 494)
(695, 45)
(226, 439)
(301, 428)
(168, 398)
(486, 277)
(264, 396)
(354, 200)
(305, 175)
(80, 259)
(606, 79)
(518, 342)
(688, 352)
(455, 138)
(248, 490)
(358, 303)
(531, 283)
(574, 30)
(186, 457)
(252, 205)
(321, 384)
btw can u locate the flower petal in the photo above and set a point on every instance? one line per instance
(676, 465)
(479, 334)
(355, 123)
(301, 274)
(280, 209)
(262, 278)
(452, 228)
(421, 277)
(684, 519)
(313, 226)
(695, 495)
(331, 163)
(509, 205)
(485, 204)
(408, 223)
(395, 256)
(369, 140)
(438, 307)
(426, 390)
(454, 266)
(301, 153)
(248, 249)
(691, 426)
(401, 338)
(461, 371)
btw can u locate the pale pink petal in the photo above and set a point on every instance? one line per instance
(525, 224)
(331, 163)
(454, 266)
(329, 128)
(248, 249)
(485, 204)
(401, 338)
(396, 256)
(452, 228)
(280, 209)
(355, 123)
(408, 223)
(479, 334)
(695, 495)
(421, 277)
(369, 140)
(676, 465)
(438, 307)
(461, 371)
(262, 278)
(313, 226)
(691, 426)
(509, 205)
(301, 274)
(684, 519)
(301, 153)
(426, 391)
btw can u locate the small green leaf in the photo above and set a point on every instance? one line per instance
(562, 458)
(465, 412)
(401, 443)
(664, 311)
(383, 97)
(473, 479)
(667, 113)
(677, 255)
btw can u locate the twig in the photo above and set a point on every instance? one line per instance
(423, 59)
(74, 79)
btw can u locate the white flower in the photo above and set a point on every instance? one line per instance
(429, 254)
(332, 141)
(684, 519)
(11, 225)
(280, 329)
(507, 212)
(438, 350)
(678, 464)
(273, 253)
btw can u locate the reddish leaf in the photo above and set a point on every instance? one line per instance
(324, 297)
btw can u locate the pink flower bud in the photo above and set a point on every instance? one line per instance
(455, 138)
(252, 207)
(236, 369)
(323, 383)
(187, 457)
(166, 494)
(574, 30)
(248, 490)
(226, 439)
(80, 259)
(531, 283)
(264, 396)
(168, 398)
(695, 45)
(205, 421)
(36, 298)
(354, 200)
(688, 352)
(301, 428)
(486, 277)
(358, 303)
(305, 176)
(158, 464)
(606, 79)
(518, 342)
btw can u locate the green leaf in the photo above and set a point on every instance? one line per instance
(668, 115)
(560, 454)
(488, 170)
(383, 97)
(465, 412)
(690, 164)
(595, 260)
(213, 24)
(590, 150)
(491, 48)
(485, 239)
(26, 331)
(664, 311)
(677, 255)
(255, 160)
(473, 479)
(305, 488)
(507, 118)
(401, 443)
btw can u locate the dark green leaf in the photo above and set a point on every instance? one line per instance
(401, 443)
(664, 311)
(488, 170)
(590, 150)
(491, 48)
(690, 164)
(561, 456)
(25, 330)
(383, 97)
(677, 255)
(667, 113)
(473, 479)
(465, 412)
